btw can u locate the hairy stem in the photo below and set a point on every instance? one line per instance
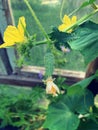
(37, 20)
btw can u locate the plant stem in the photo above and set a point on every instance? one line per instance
(40, 42)
(61, 11)
(94, 6)
(37, 20)
(74, 11)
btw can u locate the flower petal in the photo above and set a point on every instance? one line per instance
(74, 19)
(62, 27)
(66, 20)
(56, 88)
(4, 45)
(21, 25)
(12, 35)
(51, 87)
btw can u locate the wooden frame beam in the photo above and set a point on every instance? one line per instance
(61, 72)
(18, 80)
(29, 76)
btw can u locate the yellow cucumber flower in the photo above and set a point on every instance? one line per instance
(66, 23)
(13, 35)
(51, 87)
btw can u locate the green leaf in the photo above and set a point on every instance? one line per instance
(27, 128)
(91, 1)
(79, 88)
(84, 4)
(61, 118)
(85, 102)
(64, 114)
(75, 90)
(49, 64)
(79, 103)
(3, 123)
(60, 38)
(81, 85)
(88, 125)
(85, 40)
(90, 52)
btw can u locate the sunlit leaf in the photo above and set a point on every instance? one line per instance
(91, 1)
(86, 3)
(83, 83)
(75, 89)
(86, 41)
(64, 114)
(79, 103)
(61, 118)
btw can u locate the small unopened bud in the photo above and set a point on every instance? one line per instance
(64, 49)
(51, 87)
(96, 101)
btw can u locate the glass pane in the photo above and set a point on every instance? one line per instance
(2, 69)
